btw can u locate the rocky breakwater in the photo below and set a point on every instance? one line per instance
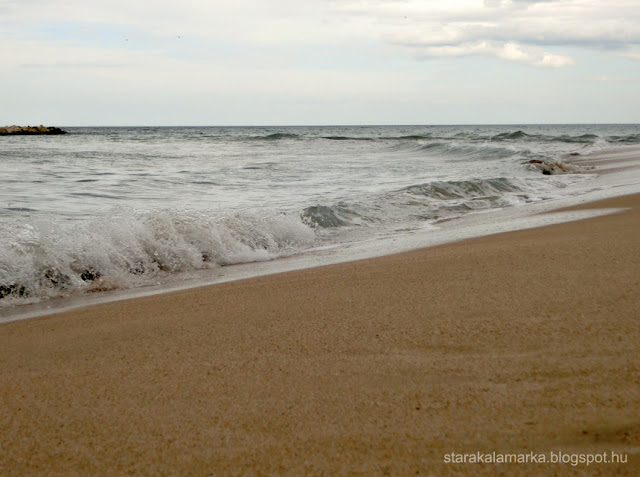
(29, 130)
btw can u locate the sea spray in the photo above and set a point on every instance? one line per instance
(108, 208)
(124, 248)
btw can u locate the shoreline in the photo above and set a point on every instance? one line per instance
(535, 215)
(612, 181)
(522, 341)
(611, 165)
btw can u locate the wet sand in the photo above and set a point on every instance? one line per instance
(515, 343)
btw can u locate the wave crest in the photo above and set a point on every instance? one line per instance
(463, 189)
(277, 136)
(330, 216)
(128, 249)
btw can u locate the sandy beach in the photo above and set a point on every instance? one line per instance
(523, 342)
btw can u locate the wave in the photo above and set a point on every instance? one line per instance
(458, 151)
(512, 135)
(324, 216)
(630, 139)
(276, 136)
(444, 199)
(41, 259)
(522, 136)
(411, 137)
(463, 189)
(349, 138)
(517, 136)
(579, 139)
(471, 137)
(430, 201)
(582, 139)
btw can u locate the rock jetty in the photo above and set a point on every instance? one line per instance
(27, 130)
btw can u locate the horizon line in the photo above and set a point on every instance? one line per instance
(343, 125)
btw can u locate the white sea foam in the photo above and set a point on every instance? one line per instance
(103, 209)
(44, 258)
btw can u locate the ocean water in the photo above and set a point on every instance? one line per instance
(116, 208)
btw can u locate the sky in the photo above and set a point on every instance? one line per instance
(316, 62)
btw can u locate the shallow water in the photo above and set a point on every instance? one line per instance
(112, 208)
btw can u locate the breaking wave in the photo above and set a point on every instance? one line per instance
(463, 189)
(431, 201)
(361, 190)
(42, 260)
(124, 249)
(324, 216)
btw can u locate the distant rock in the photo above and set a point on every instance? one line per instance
(29, 130)
(549, 168)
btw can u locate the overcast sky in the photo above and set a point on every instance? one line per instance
(280, 62)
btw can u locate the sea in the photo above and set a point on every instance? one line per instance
(103, 209)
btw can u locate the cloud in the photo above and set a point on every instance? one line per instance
(533, 32)
(505, 51)
(513, 30)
